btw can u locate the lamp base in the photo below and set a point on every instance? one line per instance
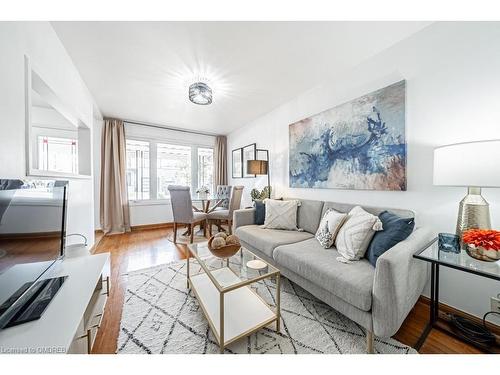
(473, 212)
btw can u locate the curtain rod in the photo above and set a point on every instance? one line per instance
(169, 128)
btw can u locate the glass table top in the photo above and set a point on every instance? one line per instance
(461, 261)
(237, 263)
(208, 197)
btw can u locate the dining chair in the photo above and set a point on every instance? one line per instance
(182, 209)
(223, 192)
(226, 215)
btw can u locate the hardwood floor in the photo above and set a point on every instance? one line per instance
(147, 248)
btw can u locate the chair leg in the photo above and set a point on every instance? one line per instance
(192, 233)
(175, 232)
(205, 224)
(369, 342)
(209, 224)
(230, 226)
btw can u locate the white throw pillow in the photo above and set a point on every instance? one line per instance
(281, 214)
(329, 227)
(356, 233)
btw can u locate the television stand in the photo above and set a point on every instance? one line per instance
(32, 305)
(71, 321)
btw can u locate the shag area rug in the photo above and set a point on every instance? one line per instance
(160, 315)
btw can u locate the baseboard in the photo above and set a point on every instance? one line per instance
(98, 235)
(494, 328)
(135, 228)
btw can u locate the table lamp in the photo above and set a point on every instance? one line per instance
(260, 167)
(474, 165)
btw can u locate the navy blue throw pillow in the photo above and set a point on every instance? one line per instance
(396, 229)
(260, 212)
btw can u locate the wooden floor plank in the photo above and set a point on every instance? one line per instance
(148, 248)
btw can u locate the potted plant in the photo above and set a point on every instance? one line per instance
(482, 244)
(203, 191)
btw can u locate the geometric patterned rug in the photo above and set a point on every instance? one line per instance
(161, 316)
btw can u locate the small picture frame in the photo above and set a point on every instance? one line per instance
(249, 153)
(237, 163)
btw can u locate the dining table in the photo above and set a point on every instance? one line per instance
(208, 202)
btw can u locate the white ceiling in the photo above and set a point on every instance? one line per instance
(141, 70)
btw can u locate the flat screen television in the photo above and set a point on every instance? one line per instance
(32, 239)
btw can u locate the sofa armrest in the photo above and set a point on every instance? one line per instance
(399, 281)
(243, 217)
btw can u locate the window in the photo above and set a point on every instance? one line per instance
(57, 154)
(173, 167)
(137, 169)
(206, 167)
(153, 164)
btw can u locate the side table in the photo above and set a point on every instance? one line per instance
(458, 261)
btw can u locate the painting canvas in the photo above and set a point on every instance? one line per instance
(360, 144)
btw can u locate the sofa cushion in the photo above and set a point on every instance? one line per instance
(356, 233)
(346, 207)
(396, 229)
(351, 282)
(329, 226)
(281, 214)
(260, 212)
(266, 240)
(309, 215)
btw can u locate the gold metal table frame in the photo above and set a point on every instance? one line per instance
(195, 251)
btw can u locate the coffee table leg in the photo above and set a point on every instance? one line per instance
(187, 269)
(221, 326)
(278, 297)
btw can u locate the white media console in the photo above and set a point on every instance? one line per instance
(72, 319)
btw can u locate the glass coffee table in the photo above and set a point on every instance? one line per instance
(223, 290)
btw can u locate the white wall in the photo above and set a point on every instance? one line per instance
(147, 211)
(47, 55)
(453, 92)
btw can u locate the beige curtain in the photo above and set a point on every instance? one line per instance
(114, 210)
(220, 160)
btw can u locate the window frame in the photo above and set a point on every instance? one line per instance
(150, 178)
(153, 184)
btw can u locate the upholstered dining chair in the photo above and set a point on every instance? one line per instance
(226, 215)
(223, 192)
(182, 209)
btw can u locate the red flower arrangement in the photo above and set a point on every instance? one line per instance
(485, 238)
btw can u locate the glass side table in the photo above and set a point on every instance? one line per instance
(459, 261)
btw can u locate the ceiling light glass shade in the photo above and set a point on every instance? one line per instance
(200, 93)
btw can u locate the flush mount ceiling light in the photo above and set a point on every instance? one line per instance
(200, 93)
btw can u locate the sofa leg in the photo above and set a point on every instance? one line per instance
(369, 342)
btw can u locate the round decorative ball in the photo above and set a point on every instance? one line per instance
(220, 235)
(218, 242)
(232, 240)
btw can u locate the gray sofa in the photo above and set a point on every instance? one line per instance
(378, 299)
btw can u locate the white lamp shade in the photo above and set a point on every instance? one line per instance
(475, 164)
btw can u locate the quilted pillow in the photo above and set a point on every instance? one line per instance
(329, 227)
(281, 214)
(356, 233)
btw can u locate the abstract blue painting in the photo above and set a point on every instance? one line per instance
(358, 145)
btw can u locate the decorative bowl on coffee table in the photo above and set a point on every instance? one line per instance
(223, 252)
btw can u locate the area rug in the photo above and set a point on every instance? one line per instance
(161, 316)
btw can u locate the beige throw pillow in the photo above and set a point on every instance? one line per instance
(281, 214)
(329, 226)
(356, 233)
